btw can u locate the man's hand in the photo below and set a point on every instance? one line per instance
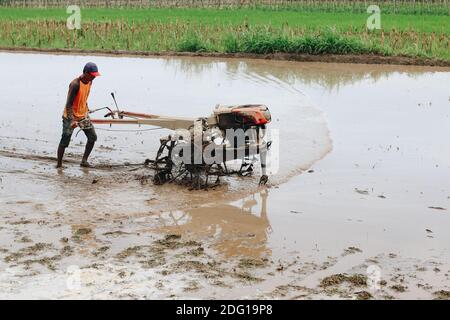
(73, 124)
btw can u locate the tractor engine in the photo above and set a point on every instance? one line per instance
(242, 117)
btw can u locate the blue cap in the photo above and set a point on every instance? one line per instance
(91, 68)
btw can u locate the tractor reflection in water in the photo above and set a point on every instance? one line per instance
(235, 230)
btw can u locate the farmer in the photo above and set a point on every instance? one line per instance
(76, 113)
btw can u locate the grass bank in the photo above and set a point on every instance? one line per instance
(255, 31)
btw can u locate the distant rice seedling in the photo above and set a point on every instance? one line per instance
(195, 37)
(435, 7)
(232, 26)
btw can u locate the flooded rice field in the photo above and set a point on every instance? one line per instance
(357, 208)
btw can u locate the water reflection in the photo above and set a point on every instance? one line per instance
(237, 229)
(327, 75)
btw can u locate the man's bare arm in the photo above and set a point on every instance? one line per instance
(73, 91)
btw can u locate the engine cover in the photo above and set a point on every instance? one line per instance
(242, 117)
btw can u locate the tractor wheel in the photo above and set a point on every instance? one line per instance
(160, 178)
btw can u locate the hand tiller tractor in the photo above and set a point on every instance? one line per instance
(201, 148)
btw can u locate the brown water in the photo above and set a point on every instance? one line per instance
(375, 136)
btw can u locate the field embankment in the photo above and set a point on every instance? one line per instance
(319, 31)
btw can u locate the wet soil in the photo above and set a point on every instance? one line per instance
(357, 210)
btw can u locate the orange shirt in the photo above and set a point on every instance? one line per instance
(79, 107)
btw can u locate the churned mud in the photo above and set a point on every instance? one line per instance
(356, 209)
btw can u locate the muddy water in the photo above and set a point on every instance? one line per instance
(363, 182)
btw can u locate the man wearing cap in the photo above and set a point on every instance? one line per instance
(76, 113)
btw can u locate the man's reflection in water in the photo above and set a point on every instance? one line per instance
(232, 229)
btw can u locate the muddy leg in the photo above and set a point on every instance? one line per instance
(92, 137)
(61, 150)
(87, 151)
(65, 141)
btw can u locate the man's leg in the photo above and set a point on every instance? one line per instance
(92, 137)
(61, 150)
(64, 143)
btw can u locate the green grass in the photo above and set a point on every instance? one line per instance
(228, 30)
(331, 43)
(422, 7)
(276, 18)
